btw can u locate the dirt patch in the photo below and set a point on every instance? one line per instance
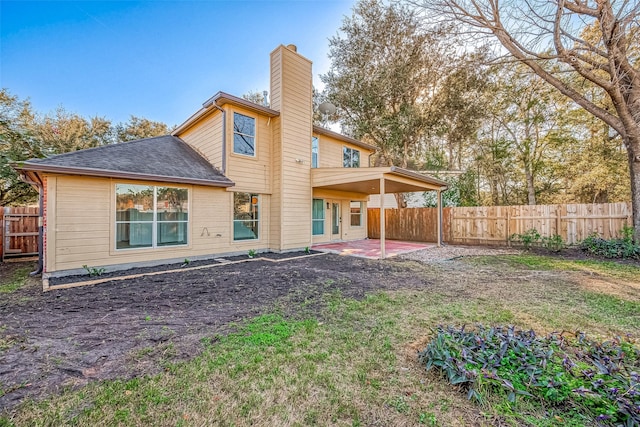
(127, 328)
(122, 329)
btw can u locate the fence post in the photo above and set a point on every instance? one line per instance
(507, 228)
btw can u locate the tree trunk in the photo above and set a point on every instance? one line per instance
(401, 200)
(495, 197)
(633, 151)
(531, 191)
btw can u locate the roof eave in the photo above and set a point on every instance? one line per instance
(222, 98)
(344, 138)
(105, 173)
(412, 174)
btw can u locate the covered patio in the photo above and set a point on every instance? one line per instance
(371, 249)
(378, 180)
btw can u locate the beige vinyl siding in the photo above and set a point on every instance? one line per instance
(294, 80)
(275, 213)
(51, 224)
(84, 229)
(276, 79)
(206, 137)
(330, 152)
(250, 174)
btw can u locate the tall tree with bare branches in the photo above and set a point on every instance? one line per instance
(597, 41)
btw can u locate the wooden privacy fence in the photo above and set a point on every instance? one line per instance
(492, 225)
(19, 232)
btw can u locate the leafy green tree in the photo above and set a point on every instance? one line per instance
(385, 68)
(139, 128)
(528, 114)
(63, 131)
(16, 143)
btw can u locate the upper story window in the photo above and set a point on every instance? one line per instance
(150, 217)
(244, 135)
(350, 157)
(315, 147)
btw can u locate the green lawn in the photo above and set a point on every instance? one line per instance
(355, 363)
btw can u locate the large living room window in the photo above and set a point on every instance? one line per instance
(317, 216)
(150, 217)
(244, 135)
(350, 157)
(246, 215)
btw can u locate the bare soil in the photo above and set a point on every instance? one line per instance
(65, 338)
(122, 329)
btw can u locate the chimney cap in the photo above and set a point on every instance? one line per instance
(292, 47)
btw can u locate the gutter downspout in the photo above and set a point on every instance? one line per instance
(224, 136)
(40, 186)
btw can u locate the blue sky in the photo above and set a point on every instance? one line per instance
(153, 59)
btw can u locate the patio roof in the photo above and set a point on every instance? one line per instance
(379, 180)
(368, 180)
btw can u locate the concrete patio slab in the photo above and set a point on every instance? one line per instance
(370, 248)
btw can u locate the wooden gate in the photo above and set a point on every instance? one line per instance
(19, 232)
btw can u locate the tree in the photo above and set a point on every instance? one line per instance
(529, 120)
(385, 67)
(256, 97)
(459, 108)
(595, 40)
(139, 128)
(16, 143)
(62, 132)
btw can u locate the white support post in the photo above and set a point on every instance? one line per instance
(382, 220)
(439, 207)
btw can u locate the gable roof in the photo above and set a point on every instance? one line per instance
(163, 158)
(222, 98)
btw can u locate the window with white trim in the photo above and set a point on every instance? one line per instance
(244, 135)
(148, 216)
(350, 157)
(317, 217)
(246, 216)
(355, 209)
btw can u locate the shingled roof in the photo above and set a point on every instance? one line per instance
(163, 158)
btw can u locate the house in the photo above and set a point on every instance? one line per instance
(234, 176)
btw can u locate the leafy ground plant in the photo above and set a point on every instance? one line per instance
(623, 247)
(528, 239)
(94, 271)
(601, 379)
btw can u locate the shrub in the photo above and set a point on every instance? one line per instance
(623, 247)
(600, 378)
(553, 243)
(528, 238)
